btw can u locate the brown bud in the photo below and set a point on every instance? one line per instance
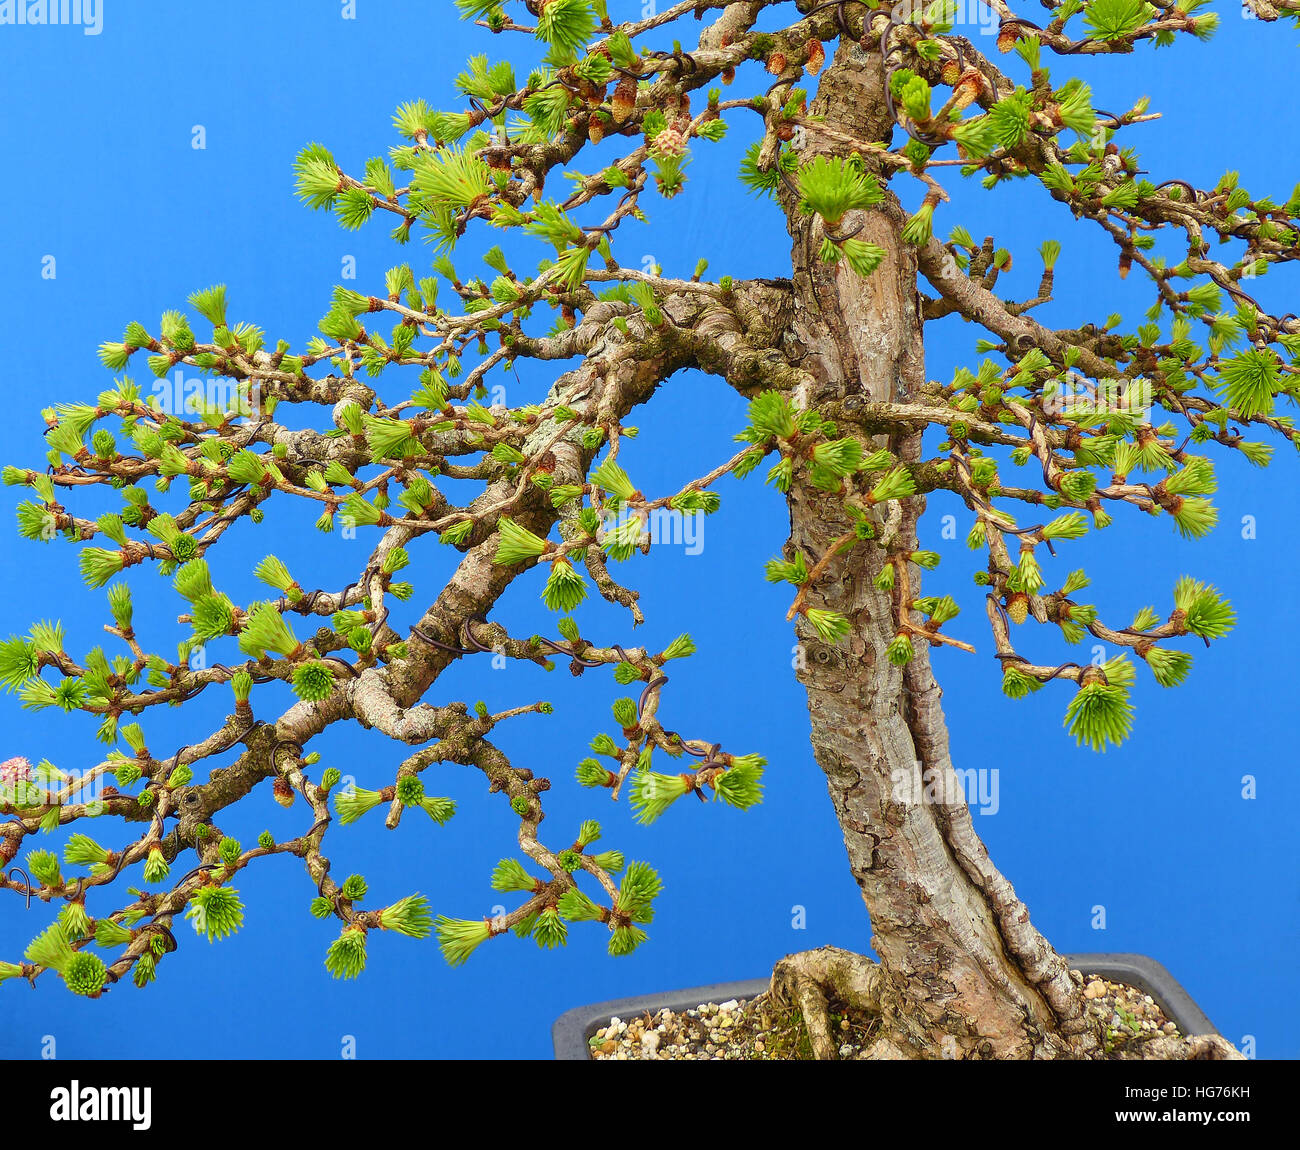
(283, 792)
(624, 101)
(816, 57)
(776, 63)
(595, 130)
(1008, 35)
(728, 74)
(967, 90)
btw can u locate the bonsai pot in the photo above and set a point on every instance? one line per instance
(573, 1029)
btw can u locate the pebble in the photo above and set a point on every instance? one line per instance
(1118, 1005)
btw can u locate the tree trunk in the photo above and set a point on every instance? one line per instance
(962, 971)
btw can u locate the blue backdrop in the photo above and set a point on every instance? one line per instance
(103, 176)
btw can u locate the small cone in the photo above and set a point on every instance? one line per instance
(670, 142)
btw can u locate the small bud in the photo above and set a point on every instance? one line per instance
(624, 102)
(283, 792)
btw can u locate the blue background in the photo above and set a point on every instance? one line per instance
(101, 174)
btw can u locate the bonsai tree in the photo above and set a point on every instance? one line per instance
(861, 118)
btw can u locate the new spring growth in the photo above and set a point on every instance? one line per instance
(83, 972)
(459, 938)
(313, 681)
(266, 631)
(44, 867)
(409, 916)
(216, 912)
(737, 780)
(1100, 714)
(346, 958)
(516, 544)
(82, 850)
(110, 934)
(354, 888)
(274, 573)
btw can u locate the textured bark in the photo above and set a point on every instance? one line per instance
(965, 974)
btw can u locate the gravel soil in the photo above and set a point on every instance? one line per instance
(758, 1029)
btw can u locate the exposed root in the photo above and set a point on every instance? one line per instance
(885, 1050)
(1177, 1048)
(813, 979)
(819, 982)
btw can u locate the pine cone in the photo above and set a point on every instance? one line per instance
(668, 143)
